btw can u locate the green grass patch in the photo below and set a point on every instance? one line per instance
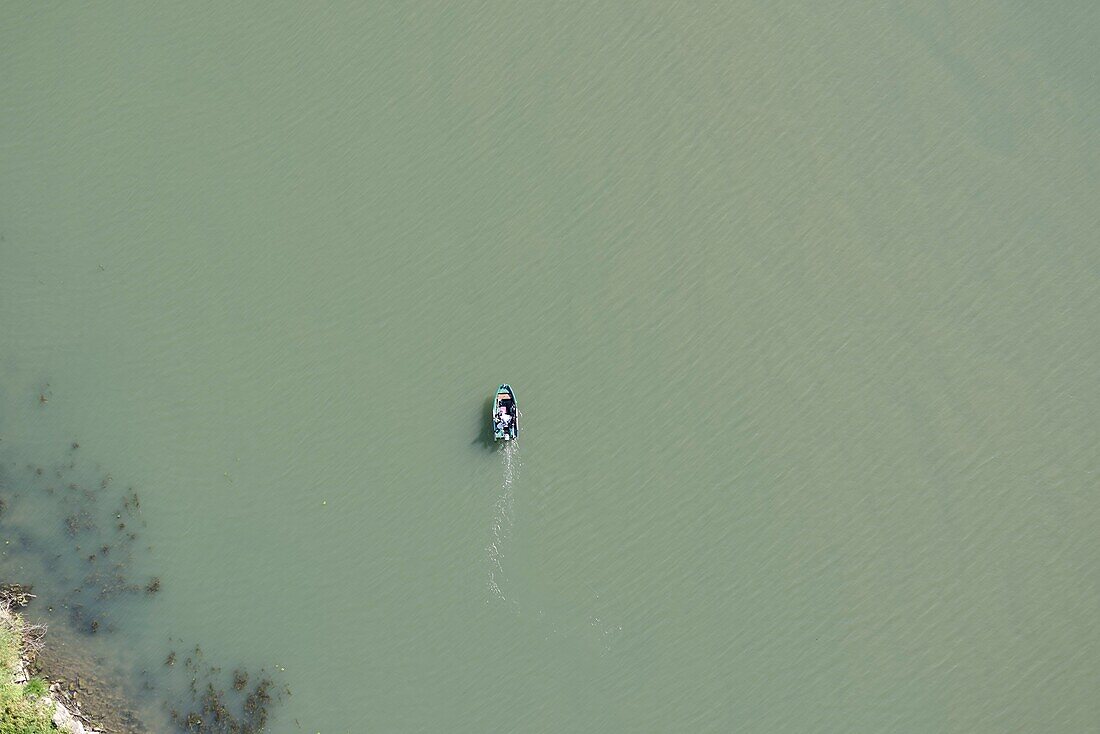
(22, 715)
(24, 708)
(11, 640)
(36, 688)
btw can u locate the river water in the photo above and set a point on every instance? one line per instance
(800, 304)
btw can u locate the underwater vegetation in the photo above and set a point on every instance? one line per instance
(221, 702)
(75, 533)
(81, 535)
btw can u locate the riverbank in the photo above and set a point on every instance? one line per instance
(29, 703)
(87, 684)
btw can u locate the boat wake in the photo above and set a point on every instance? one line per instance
(501, 529)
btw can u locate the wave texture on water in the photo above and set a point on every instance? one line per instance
(503, 521)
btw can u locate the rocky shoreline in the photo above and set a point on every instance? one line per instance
(81, 686)
(82, 701)
(63, 711)
(63, 717)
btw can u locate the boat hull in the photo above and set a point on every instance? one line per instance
(505, 415)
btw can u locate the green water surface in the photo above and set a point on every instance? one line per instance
(800, 301)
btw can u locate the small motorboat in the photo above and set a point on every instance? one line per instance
(505, 415)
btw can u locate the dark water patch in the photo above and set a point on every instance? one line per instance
(219, 701)
(483, 433)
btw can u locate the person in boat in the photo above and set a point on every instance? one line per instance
(505, 417)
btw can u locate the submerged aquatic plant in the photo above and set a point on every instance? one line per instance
(239, 708)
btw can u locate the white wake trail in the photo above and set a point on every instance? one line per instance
(501, 529)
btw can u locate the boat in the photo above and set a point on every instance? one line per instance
(505, 414)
